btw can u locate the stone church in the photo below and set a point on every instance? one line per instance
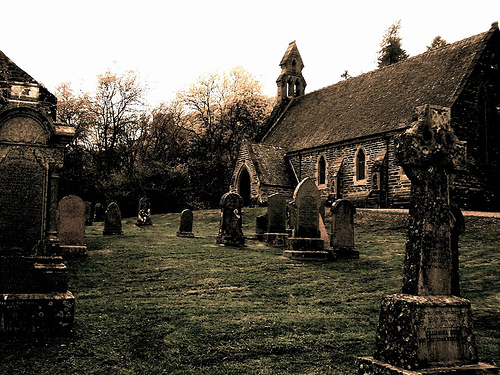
(342, 136)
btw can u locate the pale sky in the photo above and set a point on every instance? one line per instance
(170, 43)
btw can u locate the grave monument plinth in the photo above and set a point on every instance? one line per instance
(33, 278)
(427, 329)
(305, 242)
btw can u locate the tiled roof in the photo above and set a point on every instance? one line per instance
(379, 101)
(10, 72)
(271, 165)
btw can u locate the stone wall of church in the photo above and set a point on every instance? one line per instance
(394, 183)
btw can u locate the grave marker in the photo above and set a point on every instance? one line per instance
(186, 224)
(112, 220)
(276, 235)
(72, 226)
(342, 236)
(230, 230)
(427, 328)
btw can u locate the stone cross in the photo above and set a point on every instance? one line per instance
(429, 153)
(186, 224)
(230, 229)
(112, 220)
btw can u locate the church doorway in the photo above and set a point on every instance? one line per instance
(244, 186)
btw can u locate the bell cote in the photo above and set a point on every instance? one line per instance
(291, 83)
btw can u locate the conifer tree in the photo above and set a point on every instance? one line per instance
(391, 51)
(436, 43)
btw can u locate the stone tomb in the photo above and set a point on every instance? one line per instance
(276, 235)
(427, 329)
(306, 242)
(186, 224)
(144, 212)
(71, 226)
(33, 279)
(112, 220)
(230, 230)
(342, 235)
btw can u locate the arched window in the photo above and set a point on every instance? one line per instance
(321, 170)
(360, 164)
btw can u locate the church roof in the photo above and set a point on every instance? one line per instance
(271, 165)
(10, 72)
(379, 101)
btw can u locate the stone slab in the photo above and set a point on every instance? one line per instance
(276, 239)
(306, 244)
(309, 255)
(371, 366)
(36, 313)
(73, 250)
(416, 332)
(185, 234)
(345, 253)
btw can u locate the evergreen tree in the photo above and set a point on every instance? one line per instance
(437, 42)
(391, 51)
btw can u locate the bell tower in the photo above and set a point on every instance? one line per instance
(291, 83)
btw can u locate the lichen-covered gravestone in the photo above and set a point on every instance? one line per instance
(112, 220)
(186, 224)
(33, 279)
(144, 214)
(342, 236)
(72, 226)
(230, 228)
(306, 242)
(276, 235)
(427, 329)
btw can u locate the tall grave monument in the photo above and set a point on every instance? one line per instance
(33, 280)
(427, 329)
(306, 242)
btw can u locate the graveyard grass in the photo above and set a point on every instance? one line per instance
(148, 302)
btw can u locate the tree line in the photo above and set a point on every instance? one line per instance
(180, 154)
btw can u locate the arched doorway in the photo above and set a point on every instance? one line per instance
(244, 186)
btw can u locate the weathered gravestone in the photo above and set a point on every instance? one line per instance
(342, 236)
(112, 220)
(33, 280)
(306, 242)
(88, 213)
(276, 235)
(72, 226)
(98, 213)
(186, 224)
(230, 230)
(427, 329)
(260, 226)
(144, 214)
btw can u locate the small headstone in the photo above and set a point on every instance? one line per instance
(260, 226)
(186, 224)
(88, 213)
(276, 235)
(427, 329)
(230, 228)
(342, 236)
(72, 226)
(306, 242)
(98, 213)
(112, 220)
(144, 215)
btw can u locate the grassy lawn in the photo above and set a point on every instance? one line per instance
(149, 302)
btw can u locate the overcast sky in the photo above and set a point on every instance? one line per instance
(170, 43)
